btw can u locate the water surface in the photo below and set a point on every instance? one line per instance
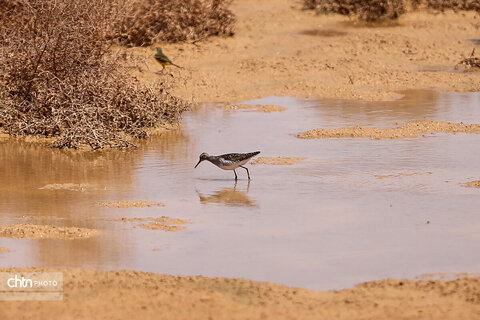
(325, 223)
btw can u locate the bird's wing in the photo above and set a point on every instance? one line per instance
(231, 156)
(162, 58)
(238, 156)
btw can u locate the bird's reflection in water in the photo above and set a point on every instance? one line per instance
(229, 196)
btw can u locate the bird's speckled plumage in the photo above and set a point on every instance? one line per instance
(229, 161)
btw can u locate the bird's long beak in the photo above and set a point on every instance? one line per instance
(197, 163)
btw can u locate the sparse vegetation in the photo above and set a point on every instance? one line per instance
(453, 4)
(374, 10)
(470, 63)
(175, 20)
(368, 10)
(59, 80)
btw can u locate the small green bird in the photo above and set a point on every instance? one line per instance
(163, 59)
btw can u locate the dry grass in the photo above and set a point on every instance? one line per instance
(453, 4)
(470, 63)
(57, 80)
(175, 20)
(367, 10)
(374, 10)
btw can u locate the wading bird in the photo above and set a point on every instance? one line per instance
(229, 161)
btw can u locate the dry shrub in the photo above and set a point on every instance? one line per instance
(470, 63)
(367, 10)
(175, 20)
(453, 4)
(57, 81)
(372, 10)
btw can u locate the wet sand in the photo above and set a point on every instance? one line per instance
(67, 186)
(138, 295)
(473, 184)
(161, 226)
(278, 161)
(132, 204)
(32, 231)
(162, 223)
(405, 130)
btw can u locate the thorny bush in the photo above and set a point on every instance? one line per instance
(453, 4)
(368, 10)
(56, 79)
(175, 20)
(374, 10)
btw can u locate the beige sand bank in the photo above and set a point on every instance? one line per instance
(34, 231)
(162, 223)
(473, 184)
(405, 130)
(138, 295)
(131, 204)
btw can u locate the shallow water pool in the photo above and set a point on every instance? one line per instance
(354, 210)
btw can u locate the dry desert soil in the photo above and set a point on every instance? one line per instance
(139, 295)
(279, 49)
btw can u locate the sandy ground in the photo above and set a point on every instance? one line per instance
(473, 184)
(68, 186)
(138, 295)
(162, 223)
(405, 130)
(34, 231)
(132, 204)
(279, 49)
(278, 160)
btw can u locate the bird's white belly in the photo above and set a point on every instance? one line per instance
(231, 165)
